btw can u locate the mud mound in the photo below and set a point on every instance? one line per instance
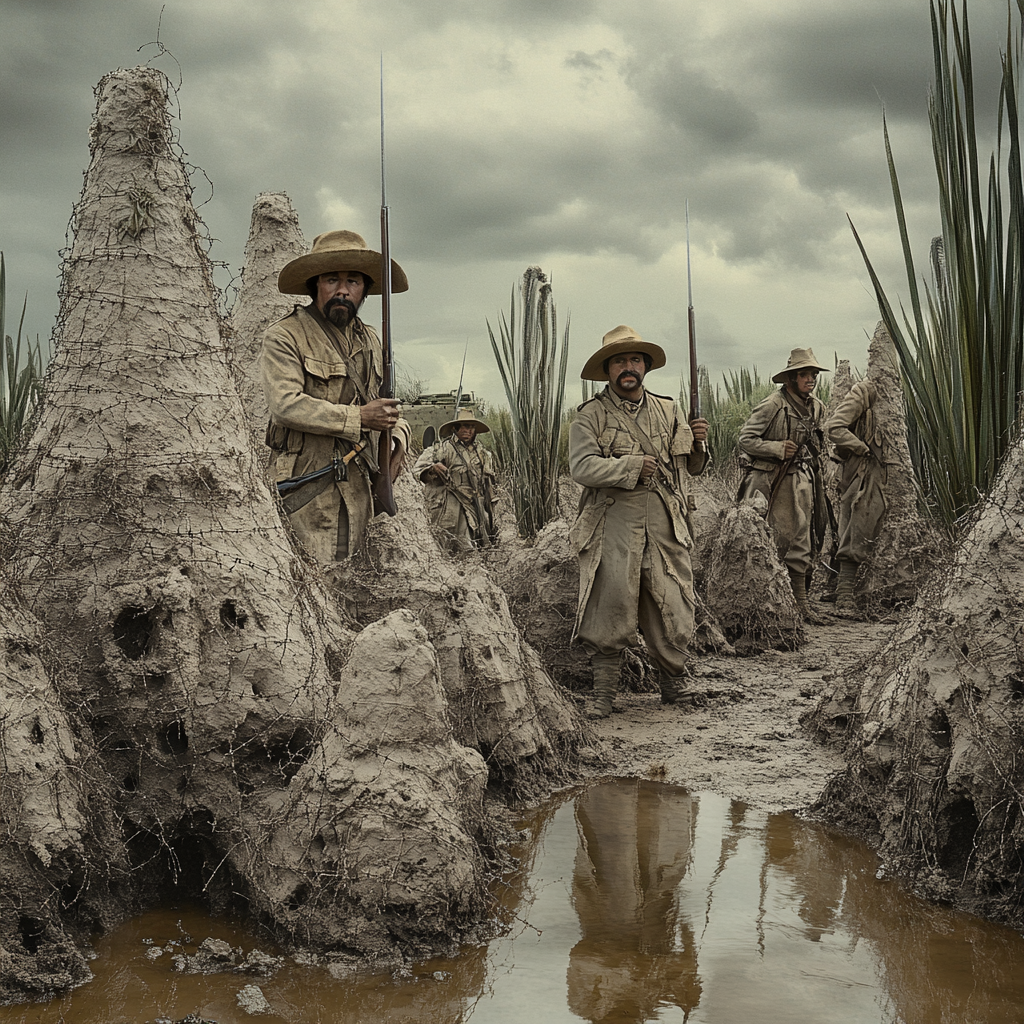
(747, 589)
(274, 238)
(205, 662)
(503, 703)
(932, 727)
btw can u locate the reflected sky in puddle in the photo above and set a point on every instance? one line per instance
(637, 902)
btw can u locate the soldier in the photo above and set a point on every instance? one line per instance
(458, 477)
(867, 453)
(633, 453)
(321, 375)
(783, 440)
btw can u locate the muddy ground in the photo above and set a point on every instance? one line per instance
(739, 735)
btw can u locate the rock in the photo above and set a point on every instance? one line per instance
(252, 1000)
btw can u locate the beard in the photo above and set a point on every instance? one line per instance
(341, 312)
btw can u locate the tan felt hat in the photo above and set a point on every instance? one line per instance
(614, 343)
(465, 418)
(334, 251)
(799, 359)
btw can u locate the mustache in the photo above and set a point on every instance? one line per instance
(627, 373)
(336, 301)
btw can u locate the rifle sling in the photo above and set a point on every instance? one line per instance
(366, 454)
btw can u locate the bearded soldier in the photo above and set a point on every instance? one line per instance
(458, 477)
(783, 439)
(633, 454)
(867, 453)
(321, 376)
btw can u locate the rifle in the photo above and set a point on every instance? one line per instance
(383, 491)
(692, 326)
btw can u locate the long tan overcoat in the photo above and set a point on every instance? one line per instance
(451, 504)
(797, 515)
(309, 372)
(862, 449)
(633, 537)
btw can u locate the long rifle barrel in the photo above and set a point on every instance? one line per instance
(692, 327)
(383, 491)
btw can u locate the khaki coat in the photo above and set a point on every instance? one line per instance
(633, 537)
(452, 504)
(309, 371)
(861, 448)
(798, 515)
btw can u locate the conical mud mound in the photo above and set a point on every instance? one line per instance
(933, 726)
(502, 701)
(274, 238)
(204, 662)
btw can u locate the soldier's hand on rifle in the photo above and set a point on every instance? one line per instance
(649, 468)
(699, 427)
(440, 470)
(380, 414)
(790, 449)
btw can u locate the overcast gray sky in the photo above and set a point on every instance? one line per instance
(562, 133)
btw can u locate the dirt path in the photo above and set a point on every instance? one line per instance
(742, 738)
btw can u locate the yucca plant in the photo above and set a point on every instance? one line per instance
(962, 351)
(21, 375)
(726, 413)
(532, 365)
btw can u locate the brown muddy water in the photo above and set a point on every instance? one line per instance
(636, 901)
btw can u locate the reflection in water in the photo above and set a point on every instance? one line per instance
(636, 953)
(627, 906)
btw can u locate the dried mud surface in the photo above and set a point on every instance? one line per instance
(739, 735)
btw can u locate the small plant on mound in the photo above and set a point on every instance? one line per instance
(21, 377)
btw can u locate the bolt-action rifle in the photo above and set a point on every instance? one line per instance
(383, 491)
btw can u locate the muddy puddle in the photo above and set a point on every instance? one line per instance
(636, 901)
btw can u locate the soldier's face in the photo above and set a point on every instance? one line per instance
(805, 381)
(626, 373)
(339, 295)
(465, 434)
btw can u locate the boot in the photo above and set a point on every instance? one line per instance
(672, 688)
(798, 581)
(846, 586)
(606, 684)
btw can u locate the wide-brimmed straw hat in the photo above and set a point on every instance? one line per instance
(465, 418)
(334, 251)
(614, 343)
(799, 359)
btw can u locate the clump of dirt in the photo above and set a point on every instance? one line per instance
(932, 726)
(746, 587)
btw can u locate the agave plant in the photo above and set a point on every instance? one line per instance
(962, 351)
(21, 375)
(532, 365)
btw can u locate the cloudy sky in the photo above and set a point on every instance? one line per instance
(562, 133)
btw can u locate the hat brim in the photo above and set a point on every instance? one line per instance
(780, 377)
(449, 428)
(292, 280)
(594, 368)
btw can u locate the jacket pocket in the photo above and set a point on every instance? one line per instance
(325, 379)
(589, 524)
